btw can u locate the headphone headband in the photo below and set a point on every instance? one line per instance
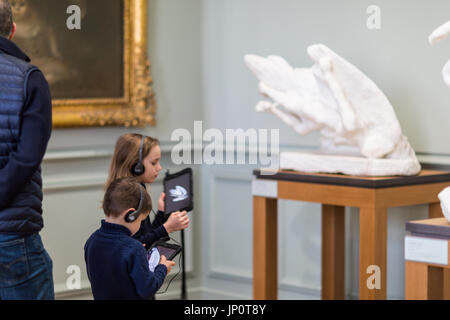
(141, 147)
(132, 216)
(138, 168)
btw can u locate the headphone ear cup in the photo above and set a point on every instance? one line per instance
(129, 217)
(138, 169)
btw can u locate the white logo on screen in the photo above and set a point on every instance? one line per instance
(178, 194)
(153, 260)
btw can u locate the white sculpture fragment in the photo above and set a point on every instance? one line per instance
(359, 131)
(444, 196)
(437, 35)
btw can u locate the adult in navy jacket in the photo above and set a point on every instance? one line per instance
(25, 128)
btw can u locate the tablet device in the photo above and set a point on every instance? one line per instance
(161, 248)
(179, 191)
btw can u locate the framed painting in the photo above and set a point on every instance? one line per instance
(97, 69)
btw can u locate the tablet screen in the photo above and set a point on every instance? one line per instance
(155, 253)
(178, 189)
(153, 258)
(167, 252)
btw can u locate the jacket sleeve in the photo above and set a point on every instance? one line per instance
(160, 219)
(35, 133)
(149, 232)
(147, 283)
(152, 236)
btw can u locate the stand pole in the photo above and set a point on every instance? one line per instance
(183, 271)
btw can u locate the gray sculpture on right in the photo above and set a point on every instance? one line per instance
(437, 35)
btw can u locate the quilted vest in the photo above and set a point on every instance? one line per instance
(24, 213)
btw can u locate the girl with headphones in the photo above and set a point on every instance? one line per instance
(139, 156)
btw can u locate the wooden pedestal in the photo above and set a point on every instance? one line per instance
(425, 280)
(373, 197)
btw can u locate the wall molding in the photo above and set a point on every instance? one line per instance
(98, 152)
(57, 182)
(70, 182)
(76, 154)
(195, 146)
(227, 175)
(61, 291)
(222, 294)
(86, 293)
(282, 285)
(222, 274)
(435, 159)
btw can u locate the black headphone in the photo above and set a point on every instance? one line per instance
(131, 216)
(138, 168)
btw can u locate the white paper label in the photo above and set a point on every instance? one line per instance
(426, 250)
(265, 188)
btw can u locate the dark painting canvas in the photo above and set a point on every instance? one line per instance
(78, 64)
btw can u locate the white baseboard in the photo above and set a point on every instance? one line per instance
(86, 294)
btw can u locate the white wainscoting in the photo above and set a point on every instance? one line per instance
(226, 218)
(219, 240)
(229, 242)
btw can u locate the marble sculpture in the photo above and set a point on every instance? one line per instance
(359, 131)
(444, 197)
(436, 36)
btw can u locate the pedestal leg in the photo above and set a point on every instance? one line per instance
(372, 253)
(265, 284)
(435, 283)
(423, 282)
(446, 289)
(435, 211)
(333, 252)
(416, 281)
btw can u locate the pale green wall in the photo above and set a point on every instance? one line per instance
(397, 57)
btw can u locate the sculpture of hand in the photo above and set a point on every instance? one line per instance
(334, 97)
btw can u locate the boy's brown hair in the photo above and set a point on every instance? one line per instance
(123, 194)
(126, 154)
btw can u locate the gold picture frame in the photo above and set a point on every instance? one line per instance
(135, 104)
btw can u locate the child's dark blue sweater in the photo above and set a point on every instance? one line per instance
(117, 265)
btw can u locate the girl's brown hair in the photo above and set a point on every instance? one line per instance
(126, 154)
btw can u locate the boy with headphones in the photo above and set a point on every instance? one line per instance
(117, 265)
